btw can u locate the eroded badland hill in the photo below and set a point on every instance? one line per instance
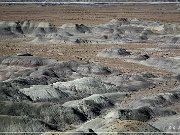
(90, 69)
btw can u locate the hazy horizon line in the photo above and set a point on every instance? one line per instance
(44, 2)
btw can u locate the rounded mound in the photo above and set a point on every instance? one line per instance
(113, 52)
